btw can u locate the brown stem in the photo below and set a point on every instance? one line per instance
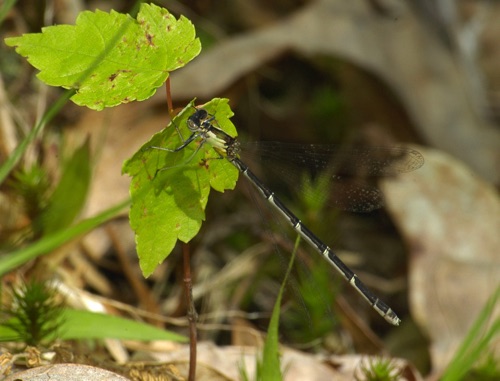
(192, 315)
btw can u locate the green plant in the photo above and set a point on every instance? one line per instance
(135, 56)
(33, 185)
(268, 365)
(474, 347)
(27, 190)
(183, 190)
(380, 369)
(486, 370)
(309, 317)
(52, 210)
(44, 245)
(34, 315)
(111, 58)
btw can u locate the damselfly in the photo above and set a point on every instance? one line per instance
(203, 128)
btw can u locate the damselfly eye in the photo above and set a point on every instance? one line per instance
(193, 124)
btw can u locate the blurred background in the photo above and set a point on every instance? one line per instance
(360, 73)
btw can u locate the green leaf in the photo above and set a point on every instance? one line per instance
(77, 324)
(169, 190)
(483, 333)
(111, 58)
(10, 261)
(90, 325)
(69, 196)
(270, 368)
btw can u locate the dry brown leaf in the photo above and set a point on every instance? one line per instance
(297, 366)
(227, 360)
(66, 372)
(451, 221)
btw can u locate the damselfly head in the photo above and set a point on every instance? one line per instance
(195, 121)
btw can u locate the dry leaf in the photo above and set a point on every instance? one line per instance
(451, 221)
(66, 372)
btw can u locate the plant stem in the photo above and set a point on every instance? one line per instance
(192, 315)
